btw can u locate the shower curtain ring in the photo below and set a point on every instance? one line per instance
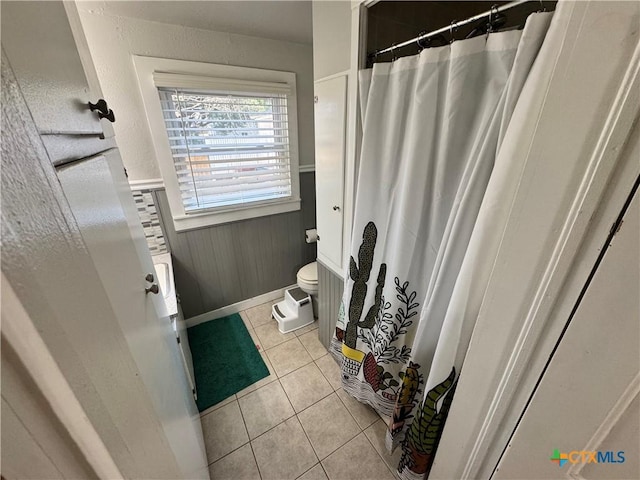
(427, 41)
(491, 17)
(542, 7)
(451, 30)
(393, 53)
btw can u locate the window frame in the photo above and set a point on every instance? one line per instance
(145, 68)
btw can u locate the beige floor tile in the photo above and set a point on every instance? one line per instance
(330, 370)
(265, 408)
(288, 356)
(256, 340)
(260, 383)
(308, 328)
(313, 345)
(238, 465)
(224, 402)
(284, 452)
(259, 315)
(270, 336)
(376, 434)
(328, 425)
(357, 460)
(315, 473)
(305, 386)
(245, 319)
(363, 414)
(223, 431)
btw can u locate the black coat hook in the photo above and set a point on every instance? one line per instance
(103, 110)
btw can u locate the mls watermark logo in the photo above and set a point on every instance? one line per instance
(560, 458)
(581, 456)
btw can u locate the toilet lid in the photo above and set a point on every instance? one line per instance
(309, 273)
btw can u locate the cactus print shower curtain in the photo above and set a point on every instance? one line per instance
(432, 127)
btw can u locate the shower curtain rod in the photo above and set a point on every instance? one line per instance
(455, 25)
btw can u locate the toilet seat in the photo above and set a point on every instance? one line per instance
(308, 278)
(309, 273)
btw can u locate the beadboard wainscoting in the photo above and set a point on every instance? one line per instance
(330, 287)
(224, 264)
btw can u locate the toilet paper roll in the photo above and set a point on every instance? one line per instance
(311, 236)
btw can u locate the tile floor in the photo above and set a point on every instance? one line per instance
(297, 422)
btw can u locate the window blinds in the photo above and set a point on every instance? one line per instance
(230, 146)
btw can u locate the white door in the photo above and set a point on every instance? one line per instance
(330, 121)
(101, 201)
(588, 399)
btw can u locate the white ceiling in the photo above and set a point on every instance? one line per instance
(287, 20)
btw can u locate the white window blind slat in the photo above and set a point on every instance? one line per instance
(184, 82)
(204, 174)
(230, 145)
(248, 186)
(226, 199)
(197, 149)
(259, 161)
(222, 131)
(248, 179)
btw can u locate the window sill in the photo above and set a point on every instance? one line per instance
(184, 223)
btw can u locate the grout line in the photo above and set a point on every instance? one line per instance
(314, 403)
(244, 422)
(305, 347)
(227, 454)
(308, 439)
(339, 447)
(287, 397)
(297, 368)
(306, 471)
(279, 423)
(380, 455)
(217, 406)
(238, 448)
(325, 376)
(267, 431)
(349, 411)
(255, 459)
(325, 471)
(277, 376)
(343, 444)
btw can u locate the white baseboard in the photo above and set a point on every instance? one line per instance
(237, 307)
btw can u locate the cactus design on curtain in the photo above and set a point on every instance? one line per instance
(424, 434)
(366, 347)
(376, 365)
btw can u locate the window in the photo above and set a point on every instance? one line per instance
(226, 142)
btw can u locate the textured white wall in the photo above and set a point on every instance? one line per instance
(113, 40)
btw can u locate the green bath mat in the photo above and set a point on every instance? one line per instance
(225, 359)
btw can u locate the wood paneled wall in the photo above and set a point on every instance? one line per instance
(330, 288)
(217, 266)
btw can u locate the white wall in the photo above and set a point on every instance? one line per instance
(113, 40)
(331, 37)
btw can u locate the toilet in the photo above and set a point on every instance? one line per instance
(308, 282)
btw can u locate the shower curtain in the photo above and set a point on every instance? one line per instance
(433, 125)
